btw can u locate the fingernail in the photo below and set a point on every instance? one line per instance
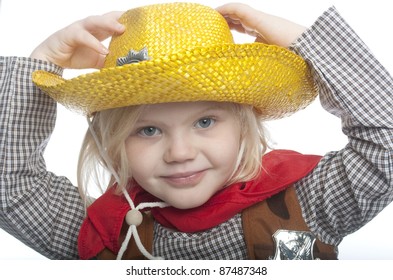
(120, 27)
(104, 50)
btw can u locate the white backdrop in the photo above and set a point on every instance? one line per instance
(25, 23)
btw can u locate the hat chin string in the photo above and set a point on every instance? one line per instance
(135, 218)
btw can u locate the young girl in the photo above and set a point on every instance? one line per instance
(176, 120)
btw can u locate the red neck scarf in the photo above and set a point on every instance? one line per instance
(102, 226)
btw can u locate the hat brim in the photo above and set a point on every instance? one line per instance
(274, 80)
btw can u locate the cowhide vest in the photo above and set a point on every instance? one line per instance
(273, 229)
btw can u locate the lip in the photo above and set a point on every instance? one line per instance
(185, 179)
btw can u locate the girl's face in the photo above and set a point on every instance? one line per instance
(183, 153)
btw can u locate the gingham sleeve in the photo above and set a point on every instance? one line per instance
(351, 186)
(42, 210)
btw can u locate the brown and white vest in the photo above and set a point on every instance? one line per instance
(273, 229)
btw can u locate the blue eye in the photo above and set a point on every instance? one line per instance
(205, 123)
(149, 131)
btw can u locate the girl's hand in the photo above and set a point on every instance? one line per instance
(79, 45)
(267, 28)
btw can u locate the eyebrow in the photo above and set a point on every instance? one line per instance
(221, 106)
(216, 106)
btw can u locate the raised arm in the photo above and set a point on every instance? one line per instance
(351, 186)
(39, 208)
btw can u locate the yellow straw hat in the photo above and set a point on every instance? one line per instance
(181, 52)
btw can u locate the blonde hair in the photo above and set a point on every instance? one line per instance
(112, 127)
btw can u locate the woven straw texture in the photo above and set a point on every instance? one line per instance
(192, 57)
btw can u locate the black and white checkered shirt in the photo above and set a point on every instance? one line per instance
(346, 190)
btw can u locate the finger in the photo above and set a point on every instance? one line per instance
(105, 25)
(100, 62)
(261, 39)
(236, 27)
(89, 32)
(240, 17)
(234, 11)
(74, 37)
(83, 38)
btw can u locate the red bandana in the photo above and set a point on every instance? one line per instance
(105, 216)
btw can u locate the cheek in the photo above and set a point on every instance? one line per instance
(231, 152)
(140, 157)
(226, 149)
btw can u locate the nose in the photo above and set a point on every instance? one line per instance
(180, 148)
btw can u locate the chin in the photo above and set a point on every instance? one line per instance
(187, 204)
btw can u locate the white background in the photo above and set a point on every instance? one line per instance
(25, 23)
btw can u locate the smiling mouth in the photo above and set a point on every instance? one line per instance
(185, 179)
